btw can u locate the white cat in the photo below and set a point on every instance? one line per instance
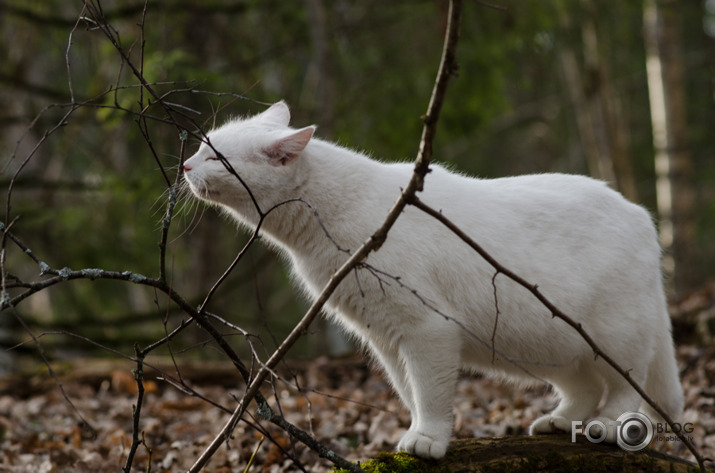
(591, 252)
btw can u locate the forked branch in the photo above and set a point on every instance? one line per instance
(558, 313)
(447, 67)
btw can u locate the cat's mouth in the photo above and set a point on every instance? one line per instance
(205, 193)
(201, 190)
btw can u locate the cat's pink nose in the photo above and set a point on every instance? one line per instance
(187, 168)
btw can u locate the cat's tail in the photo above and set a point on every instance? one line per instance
(663, 384)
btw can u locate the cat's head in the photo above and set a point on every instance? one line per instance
(262, 150)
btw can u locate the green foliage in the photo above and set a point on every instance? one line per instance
(93, 194)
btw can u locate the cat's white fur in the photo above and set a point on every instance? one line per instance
(589, 250)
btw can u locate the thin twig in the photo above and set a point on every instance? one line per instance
(137, 409)
(517, 363)
(170, 204)
(446, 70)
(174, 112)
(556, 312)
(67, 55)
(491, 5)
(84, 424)
(496, 316)
(67, 274)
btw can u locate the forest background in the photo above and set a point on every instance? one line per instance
(555, 86)
(543, 87)
(88, 158)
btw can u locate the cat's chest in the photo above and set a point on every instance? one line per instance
(314, 277)
(365, 302)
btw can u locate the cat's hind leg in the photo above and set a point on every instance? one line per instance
(620, 398)
(580, 394)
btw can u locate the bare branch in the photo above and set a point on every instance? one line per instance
(170, 204)
(138, 373)
(496, 315)
(556, 312)
(183, 119)
(446, 69)
(83, 422)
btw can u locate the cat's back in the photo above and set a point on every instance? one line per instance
(531, 222)
(540, 189)
(557, 200)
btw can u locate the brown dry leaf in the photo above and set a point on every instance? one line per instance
(347, 406)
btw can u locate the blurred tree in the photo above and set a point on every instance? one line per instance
(598, 115)
(673, 165)
(92, 194)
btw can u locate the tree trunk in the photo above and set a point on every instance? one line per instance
(673, 166)
(599, 163)
(318, 88)
(541, 453)
(607, 116)
(598, 118)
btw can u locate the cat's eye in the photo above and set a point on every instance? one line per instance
(216, 157)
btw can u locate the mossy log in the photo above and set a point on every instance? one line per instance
(541, 453)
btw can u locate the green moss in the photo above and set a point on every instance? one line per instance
(519, 457)
(400, 462)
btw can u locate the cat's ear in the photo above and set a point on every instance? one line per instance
(277, 113)
(284, 150)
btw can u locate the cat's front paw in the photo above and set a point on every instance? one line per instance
(549, 424)
(421, 445)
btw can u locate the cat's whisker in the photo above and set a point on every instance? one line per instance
(190, 209)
